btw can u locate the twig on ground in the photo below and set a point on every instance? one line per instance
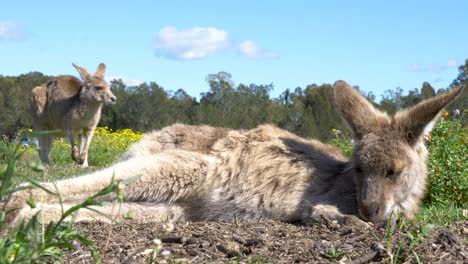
(377, 249)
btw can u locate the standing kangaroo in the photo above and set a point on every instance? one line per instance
(206, 173)
(65, 103)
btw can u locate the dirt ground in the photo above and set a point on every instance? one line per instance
(272, 242)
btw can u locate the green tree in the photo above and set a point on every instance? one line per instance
(461, 103)
(462, 78)
(217, 105)
(427, 91)
(14, 101)
(183, 107)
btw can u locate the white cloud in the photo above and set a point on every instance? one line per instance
(200, 42)
(127, 82)
(417, 68)
(9, 30)
(434, 67)
(251, 50)
(195, 43)
(452, 63)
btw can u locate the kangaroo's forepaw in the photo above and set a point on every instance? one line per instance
(331, 216)
(352, 220)
(83, 161)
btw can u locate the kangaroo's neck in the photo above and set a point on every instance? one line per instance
(87, 109)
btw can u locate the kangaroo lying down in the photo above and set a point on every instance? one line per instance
(205, 173)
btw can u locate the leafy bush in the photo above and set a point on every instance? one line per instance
(342, 141)
(6, 150)
(447, 162)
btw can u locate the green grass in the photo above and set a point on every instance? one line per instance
(448, 162)
(332, 254)
(441, 214)
(56, 172)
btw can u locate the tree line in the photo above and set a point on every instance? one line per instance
(307, 111)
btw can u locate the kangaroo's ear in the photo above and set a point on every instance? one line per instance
(85, 75)
(357, 111)
(414, 122)
(101, 70)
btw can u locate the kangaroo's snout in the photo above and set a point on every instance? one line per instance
(371, 206)
(109, 98)
(371, 211)
(113, 99)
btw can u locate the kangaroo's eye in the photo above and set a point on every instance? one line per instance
(98, 88)
(390, 173)
(358, 169)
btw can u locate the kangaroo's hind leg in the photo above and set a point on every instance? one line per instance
(169, 176)
(85, 140)
(45, 146)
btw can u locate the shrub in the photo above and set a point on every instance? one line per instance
(342, 141)
(448, 163)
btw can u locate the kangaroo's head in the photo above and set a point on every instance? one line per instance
(389, 158)
(95, 88)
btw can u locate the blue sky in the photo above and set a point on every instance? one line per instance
(378, 45)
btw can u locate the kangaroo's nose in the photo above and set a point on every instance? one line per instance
(370, 211)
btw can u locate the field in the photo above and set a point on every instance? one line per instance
(438, 234)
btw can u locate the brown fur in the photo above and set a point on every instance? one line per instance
(205, 173)
(72, 107)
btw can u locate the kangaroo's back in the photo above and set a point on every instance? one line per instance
(51, 101)
(266, 171)
(63, 87)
